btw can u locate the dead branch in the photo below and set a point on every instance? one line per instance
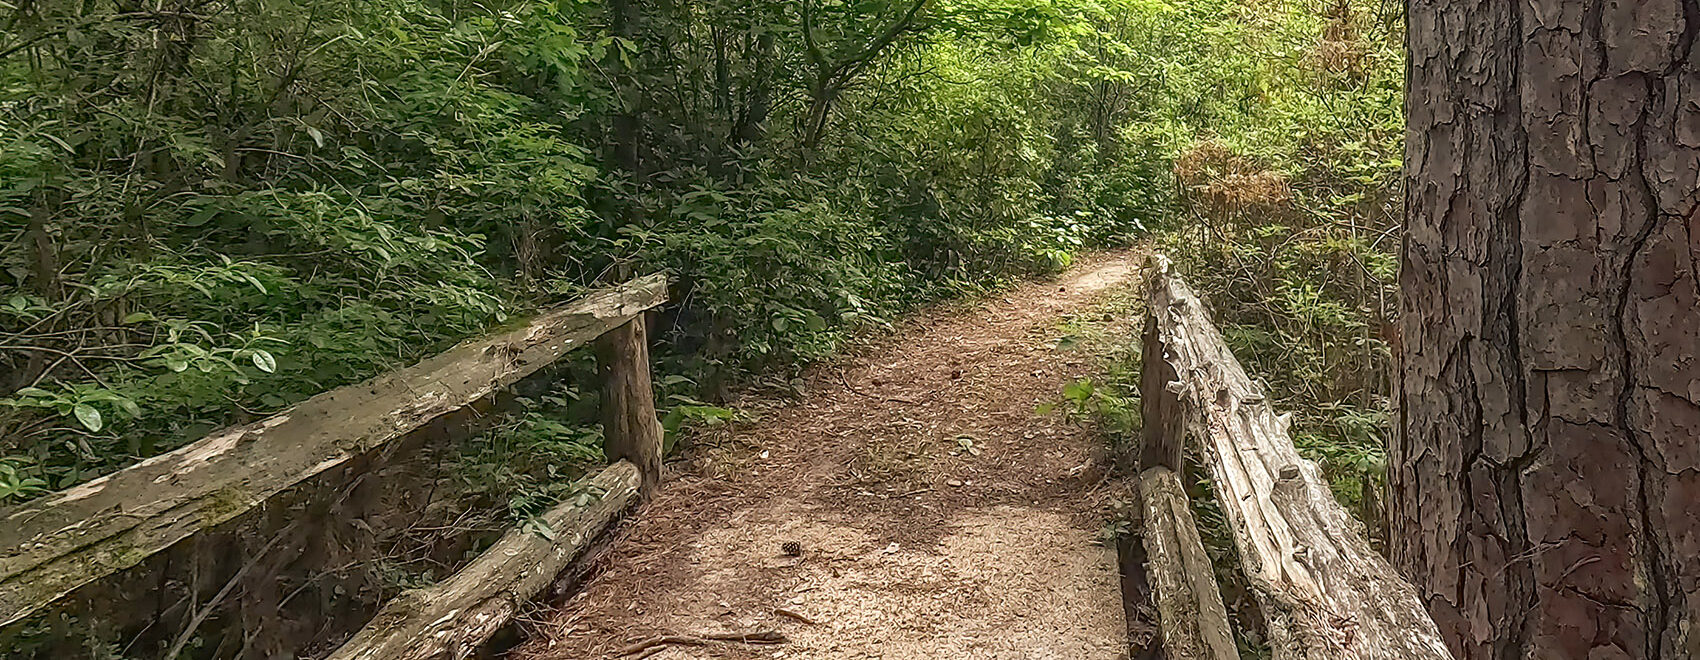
(647, 646)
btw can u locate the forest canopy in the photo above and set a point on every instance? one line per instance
(212, 209)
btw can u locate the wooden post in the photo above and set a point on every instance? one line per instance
(1190, 613)
(53, 545)
(1325, 594)
(630, 429)
(1189, 607)
(1161, 443)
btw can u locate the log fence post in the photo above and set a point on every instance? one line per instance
(1192, 618)
(630, 428)
(1161, 441)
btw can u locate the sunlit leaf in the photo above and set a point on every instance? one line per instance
(88, 416)
(264, 361)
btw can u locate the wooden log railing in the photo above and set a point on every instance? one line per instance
(52, 546)
(1189, 607)
(1324, 592)
(452, 618)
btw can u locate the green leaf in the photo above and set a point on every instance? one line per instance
(254, 281)
(88, 416)
(540, 528)
(137, 317)
(264, 361)
(201, 217)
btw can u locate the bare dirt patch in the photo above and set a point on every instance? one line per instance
(937, 516)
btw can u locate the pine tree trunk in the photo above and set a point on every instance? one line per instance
(1546, 477)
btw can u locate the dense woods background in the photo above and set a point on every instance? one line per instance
(213, 209)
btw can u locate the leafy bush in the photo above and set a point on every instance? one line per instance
(1287, 186)
(212, 209)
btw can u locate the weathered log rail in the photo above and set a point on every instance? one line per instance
(1189, 607)
(54, 545)
(453, 618)
(1323, 591)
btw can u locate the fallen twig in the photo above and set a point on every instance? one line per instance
(648, 647)
(788, 613)
(200, 616)
(852, 388)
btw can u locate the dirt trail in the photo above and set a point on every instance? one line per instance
(938, 516)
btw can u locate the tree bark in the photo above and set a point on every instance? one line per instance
(1546, 473)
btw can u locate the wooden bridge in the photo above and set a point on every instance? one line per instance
(1323, 592)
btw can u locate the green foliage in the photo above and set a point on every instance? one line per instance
(529, 463)
(15, 483)
(1287, 192)
(213, 209)
(1113, 407)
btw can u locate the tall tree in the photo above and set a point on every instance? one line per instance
(1546, 477)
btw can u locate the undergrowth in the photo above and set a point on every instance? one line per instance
(1281, 125)
(1288, 212)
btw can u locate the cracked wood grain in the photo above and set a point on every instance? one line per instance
(1324, 592)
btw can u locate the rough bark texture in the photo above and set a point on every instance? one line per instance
(1546, 476)
(453, 618)
(1324, 592)
(1189, 606)
(53, 545)
(630, 430)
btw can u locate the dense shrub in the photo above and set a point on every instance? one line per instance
(1288, 191)
(211, 209)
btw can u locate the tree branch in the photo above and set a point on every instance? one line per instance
(897, 29)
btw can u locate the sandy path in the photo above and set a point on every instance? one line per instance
(938, 515)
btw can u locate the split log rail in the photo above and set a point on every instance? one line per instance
(1324, 592)
(52, 546)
